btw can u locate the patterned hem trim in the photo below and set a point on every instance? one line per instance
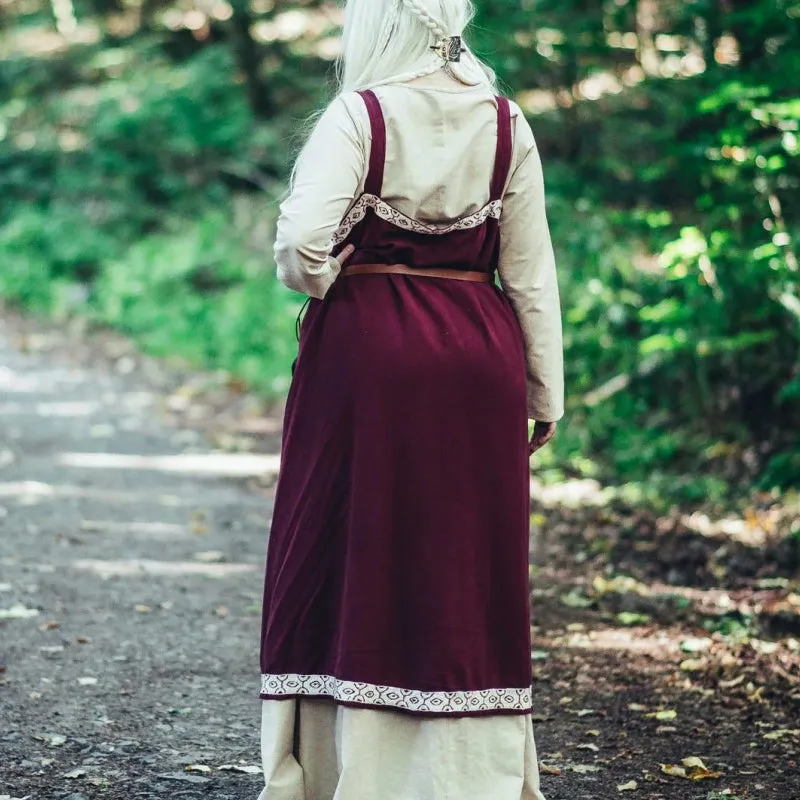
(392, 215)
(370, 694)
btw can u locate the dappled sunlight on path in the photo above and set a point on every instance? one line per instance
(138, 567)
(211, 464)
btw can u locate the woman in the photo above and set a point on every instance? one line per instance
(396, 636)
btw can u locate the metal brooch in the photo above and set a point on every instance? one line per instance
(449, 48)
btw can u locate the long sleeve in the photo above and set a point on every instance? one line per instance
(327, 177)
(528, 276)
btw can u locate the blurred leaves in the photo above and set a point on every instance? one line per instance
(142, 159)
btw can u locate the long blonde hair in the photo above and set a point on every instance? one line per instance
(389, 41)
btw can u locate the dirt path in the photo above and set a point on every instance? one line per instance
(137, 551)
(131, 544)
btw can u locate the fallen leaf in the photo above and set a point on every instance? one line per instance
(621, 584)
(779, 734)
(590, 746)
(575, 600)
(698, 770)
(765, 648)
(53, 739)
(585, 712)
(695, 645)
(731, 683)
(179, 776)
(51, 625)
(583, 769)
(83, 640)
(592, 733)
(198, 523)
(549, 769)
(693, 664)
(197, 768)
(221, 611)
(75, 773)
(210, 557)
(18, 611)
(692, 762)
(630, 618)
(665, 715)
(142, 609)
(636, 707)
(692, 768)
(630, 786)
(755, 694)
(249, 770)
(666, 729)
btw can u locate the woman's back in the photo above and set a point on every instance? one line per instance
(441, 140)
(441, 145)
(440, 154)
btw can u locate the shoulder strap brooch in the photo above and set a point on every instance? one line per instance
(449, 48)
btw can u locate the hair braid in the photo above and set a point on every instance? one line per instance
(425, 17)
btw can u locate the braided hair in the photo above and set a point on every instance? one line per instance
(417, 8)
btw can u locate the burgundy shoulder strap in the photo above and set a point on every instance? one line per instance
(502, 162)
(377, 154)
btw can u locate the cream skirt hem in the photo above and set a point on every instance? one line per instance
(317, 750)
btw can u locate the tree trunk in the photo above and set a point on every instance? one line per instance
(741, 23)
(646, 21)
(64, 16)
(249, 60)
(712, 30)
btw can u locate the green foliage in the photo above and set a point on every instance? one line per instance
(167, 288)
(679, 268)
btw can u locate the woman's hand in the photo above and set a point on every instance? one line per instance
(344, 256)
(543, 432)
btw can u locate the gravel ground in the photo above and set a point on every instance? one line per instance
(131, 560)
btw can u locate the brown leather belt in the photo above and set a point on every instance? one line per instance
(401, 269)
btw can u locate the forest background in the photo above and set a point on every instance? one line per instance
(145, 146)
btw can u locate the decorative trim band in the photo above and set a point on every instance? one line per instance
(393, 216)
(370, 694)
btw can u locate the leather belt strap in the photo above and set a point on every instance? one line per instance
(401, 269)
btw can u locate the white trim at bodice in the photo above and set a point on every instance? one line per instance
(395, 217)
(369, 694)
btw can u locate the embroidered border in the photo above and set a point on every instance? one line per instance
(392, 215)
(371, 694)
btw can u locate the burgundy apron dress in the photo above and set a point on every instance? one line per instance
(397, 566)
